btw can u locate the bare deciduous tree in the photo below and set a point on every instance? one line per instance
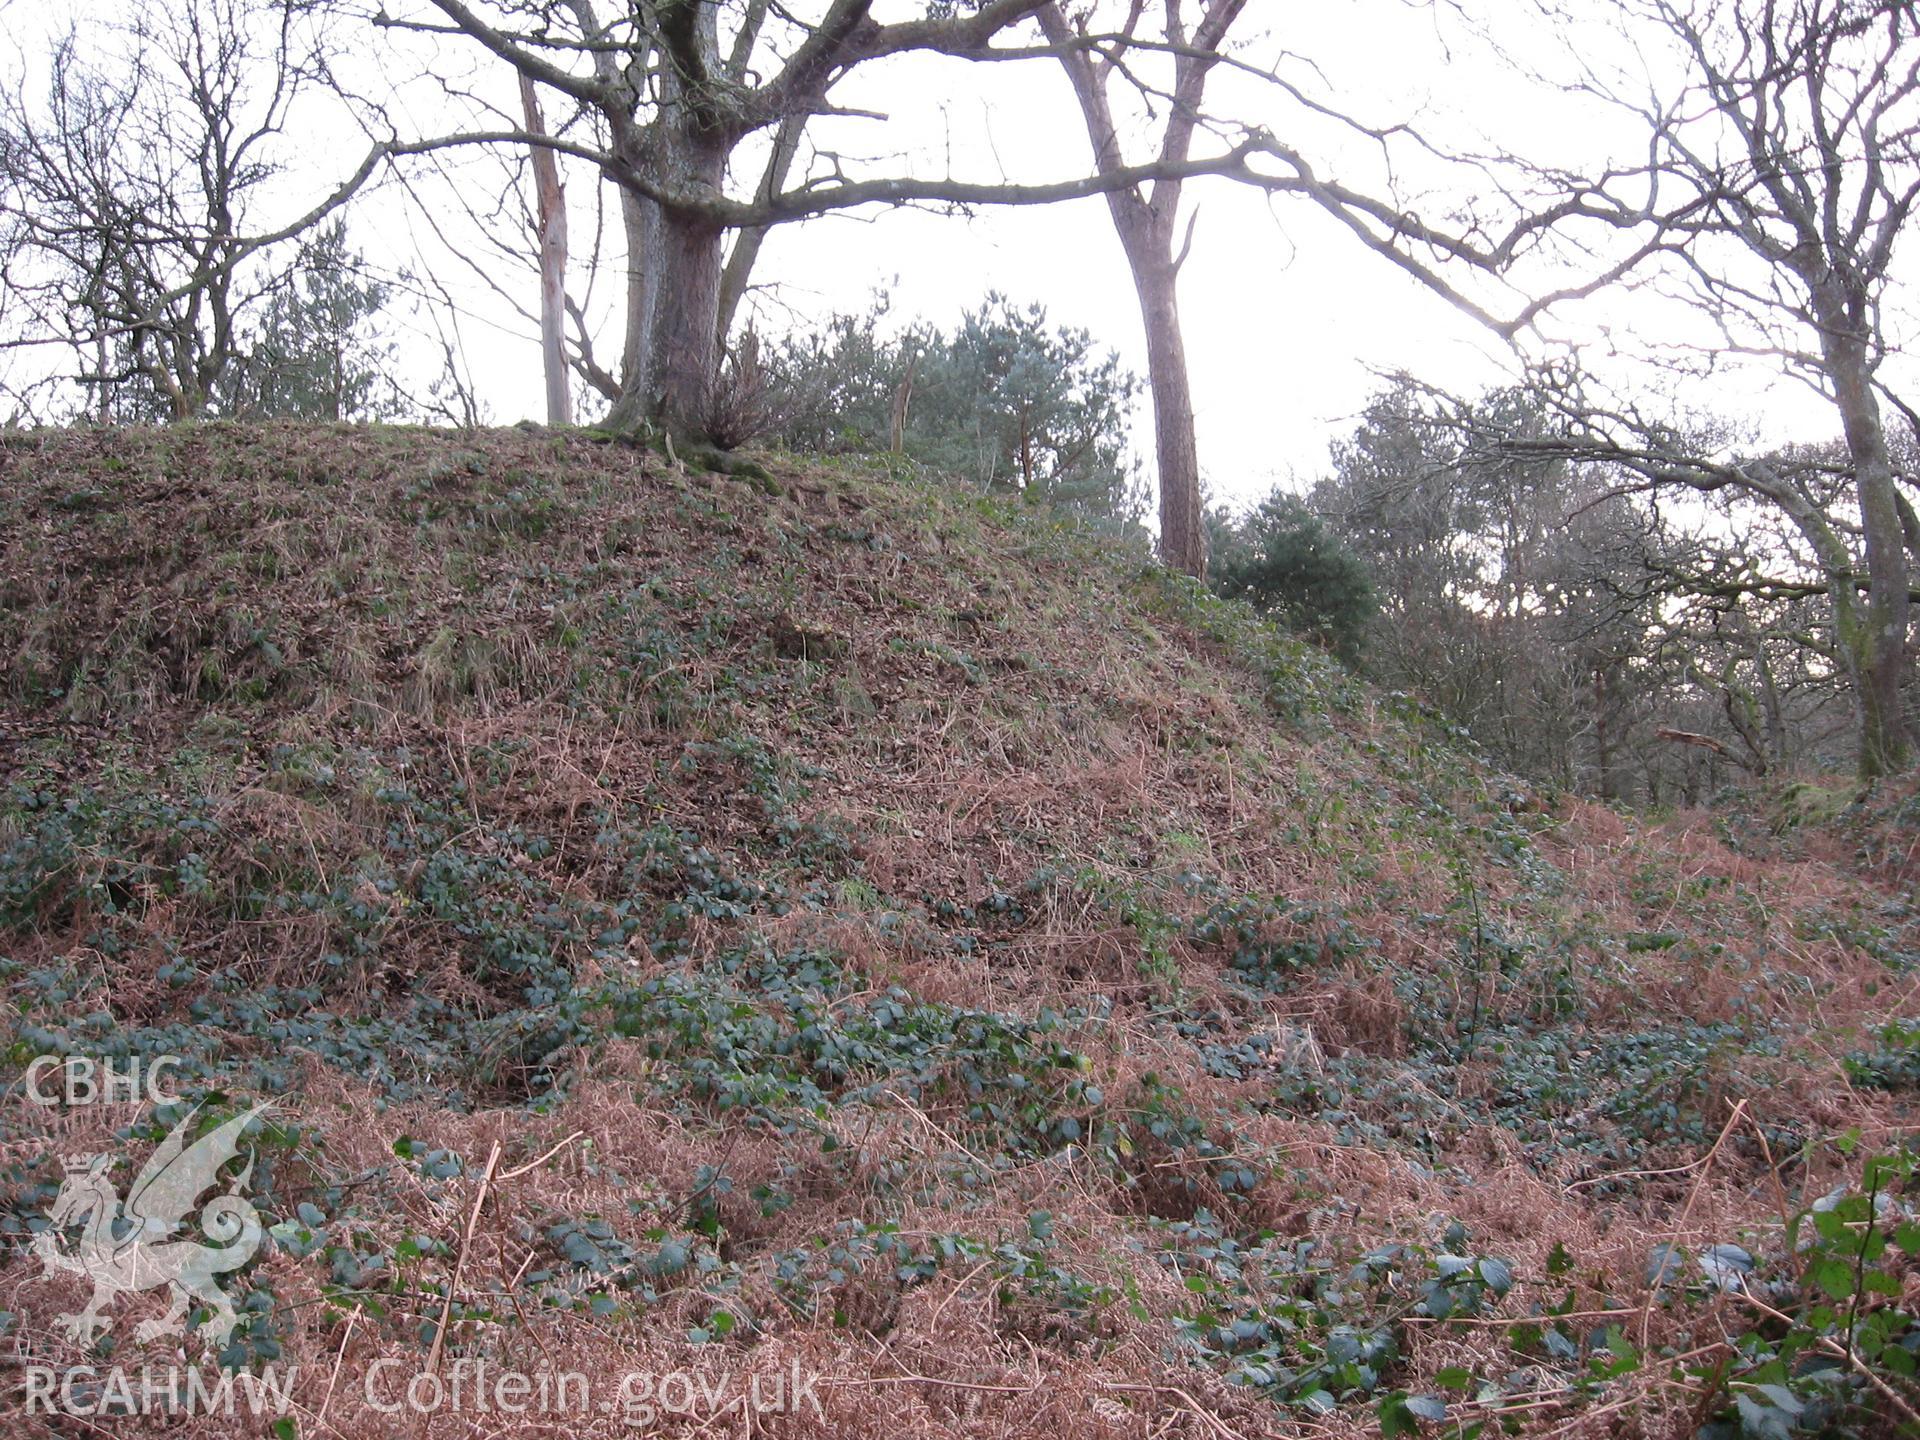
(676, 89)
(1147, 220)
(550, 227)
(127, 193)
(1783, 165)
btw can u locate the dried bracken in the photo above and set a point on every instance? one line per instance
(1060, 1004)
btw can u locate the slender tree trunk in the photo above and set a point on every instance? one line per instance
(1603, 735)
(902, 402)
(1145, 221)
(1849, 621)
(550, 220)
(1183, 534)
(636, 217)
(1743, 715)
(1776, 719)
(104, 408)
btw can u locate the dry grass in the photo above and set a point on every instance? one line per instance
(1046, 770)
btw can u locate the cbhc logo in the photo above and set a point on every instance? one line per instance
(86, 1081)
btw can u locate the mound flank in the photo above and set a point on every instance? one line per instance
(885, 938)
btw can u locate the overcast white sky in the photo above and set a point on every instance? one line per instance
(1284, 314)
(1287, 319)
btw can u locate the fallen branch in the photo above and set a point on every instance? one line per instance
(1704, 742)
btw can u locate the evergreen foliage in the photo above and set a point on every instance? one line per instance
(1287, 563)
(1005, 401)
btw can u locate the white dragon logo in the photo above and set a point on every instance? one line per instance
(136, 1253)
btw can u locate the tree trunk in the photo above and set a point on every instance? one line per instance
(1883, 740)
(670, 382)
(685, 349)
(1776, 718)
(1603, 735)
(1145, 220)
(902, 400)
(550, 224)
(1878, 644)
(1183, 534)
(104, 407)
(636, 217)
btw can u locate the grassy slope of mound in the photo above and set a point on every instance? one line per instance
(948, 955)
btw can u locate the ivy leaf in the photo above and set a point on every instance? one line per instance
(1395, 1418)
(1727, 1266)
(1763, 1422)
(1559, 1345)
(1400, 1413)
(1498, 1275)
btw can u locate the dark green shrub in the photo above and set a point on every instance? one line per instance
(1288, 564)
